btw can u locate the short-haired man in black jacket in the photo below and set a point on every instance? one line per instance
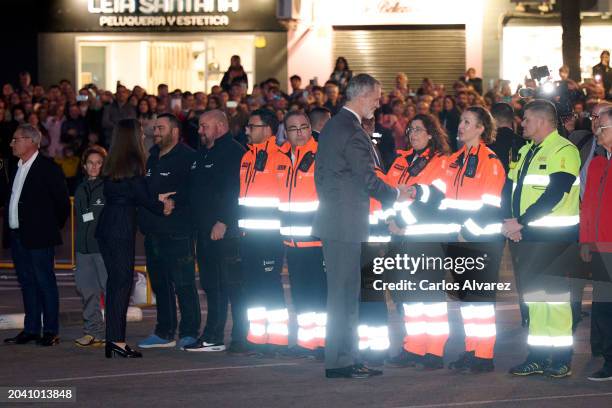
(215, 185)
(169, 239)
(35, 212)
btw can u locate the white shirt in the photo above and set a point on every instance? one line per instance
(354, 113)
(22, 172)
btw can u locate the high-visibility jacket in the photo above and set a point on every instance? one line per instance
(410, 168)
(298, 199)
(531, 177)
(468, 189)
(259, 196)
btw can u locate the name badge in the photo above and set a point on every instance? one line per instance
(88, 217)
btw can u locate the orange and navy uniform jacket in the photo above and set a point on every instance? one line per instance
(411, 167)
(467, 192)
(259, 196)
(298, 199)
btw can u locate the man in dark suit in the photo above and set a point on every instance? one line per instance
(345, 180)
(35, 212)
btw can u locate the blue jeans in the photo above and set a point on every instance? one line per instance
(36, 277)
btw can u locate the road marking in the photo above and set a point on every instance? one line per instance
(145, 373)
(505, 401)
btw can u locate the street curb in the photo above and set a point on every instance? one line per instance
(14, 321)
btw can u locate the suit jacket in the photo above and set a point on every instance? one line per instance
(44, 205)
(345, 180)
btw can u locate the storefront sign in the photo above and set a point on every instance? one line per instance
(162, 15)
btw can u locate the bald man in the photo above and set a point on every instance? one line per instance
(215, 184)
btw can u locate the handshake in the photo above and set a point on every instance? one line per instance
(168, 202)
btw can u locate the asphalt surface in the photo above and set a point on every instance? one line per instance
(170, 377)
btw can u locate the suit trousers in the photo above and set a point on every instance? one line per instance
(118, 255)
(36, 278)
(342, 261)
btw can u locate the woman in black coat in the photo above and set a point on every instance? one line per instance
(125, 189)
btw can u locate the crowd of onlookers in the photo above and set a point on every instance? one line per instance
(73, 119)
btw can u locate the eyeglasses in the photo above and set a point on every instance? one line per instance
(414, 130)
(301, 129)
(13, 140)
(251, 126)
(601, 129)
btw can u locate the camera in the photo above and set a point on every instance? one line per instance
(556, 92)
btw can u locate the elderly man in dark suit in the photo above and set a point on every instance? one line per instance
(345, 180)
(35, 212)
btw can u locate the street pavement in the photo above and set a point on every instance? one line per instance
(171, 377)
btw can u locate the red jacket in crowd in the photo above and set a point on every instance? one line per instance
(596, 209)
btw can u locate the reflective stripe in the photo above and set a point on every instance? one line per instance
(487, 230)
(408, 217)
(257, 329)
(536, 180)
(258, 201)
(296, 231)
(306, 206)
(467, 205)
(319, 332)
(479, 330)
(256, 313)
(437, 328)
(542, 297)
(373, 219)
(379, 238)
(321, 319)
(436, 309)
(550, 341)
(278, 328)
(426, 193)
(379, 338)
(470, 312)
(491, 199)
(424, 229)
(306, 319)
(383, 215)
(556, 221)
(279, 315)
(413, 309)
(415, 328)
(440, 185)
(305, 335)
(259, 224)
(542, 180)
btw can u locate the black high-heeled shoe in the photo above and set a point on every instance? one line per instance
(112, 349)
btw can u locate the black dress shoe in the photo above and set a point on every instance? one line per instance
(49, 339)
(354, 371)
(112, 350)
(23, 338)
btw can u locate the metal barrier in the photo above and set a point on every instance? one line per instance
(72, 265)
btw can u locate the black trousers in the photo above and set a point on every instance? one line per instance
(262, 264)
(118, 255)
(601, 312)
(221, 279)
(171, 268)
(308, 280)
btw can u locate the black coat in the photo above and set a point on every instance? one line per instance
(44, 205)
(123, 197)
(215, 185)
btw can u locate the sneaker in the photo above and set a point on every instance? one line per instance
(601, 375)
(202, 345)
(237, 347)
(464, 362)
(404, 359)
(558, 370)
(89, 341)
(432, 362)
(482, 365)
(186, 341)
(154, 341)
(528, 368)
